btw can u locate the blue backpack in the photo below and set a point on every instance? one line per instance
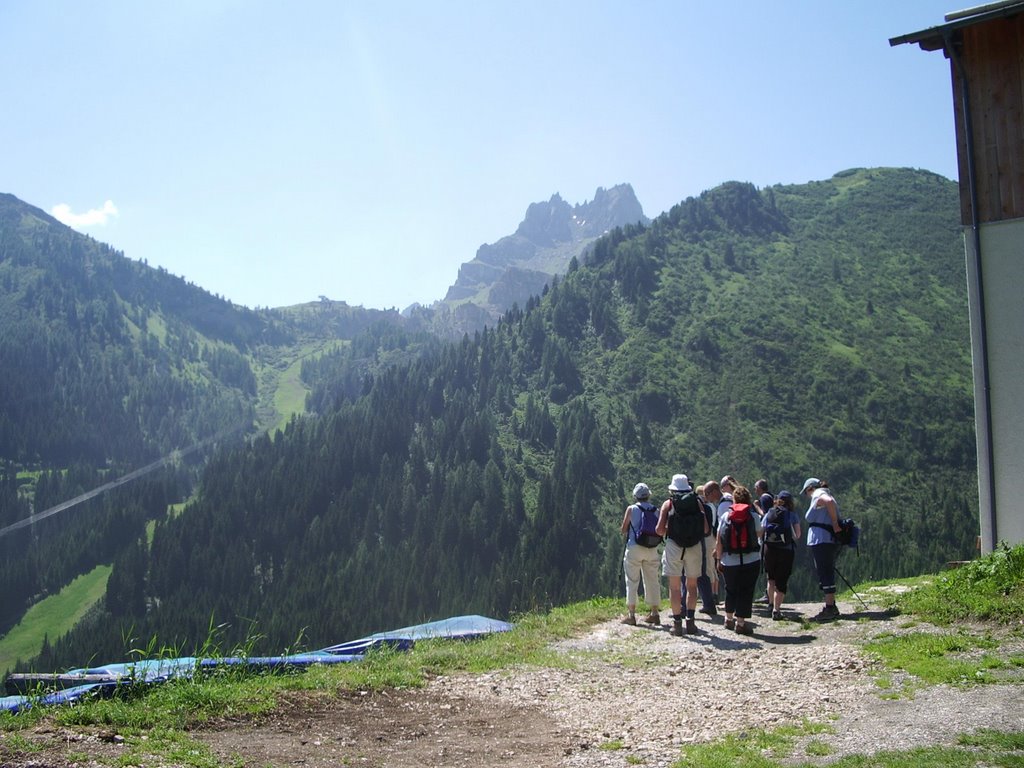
(849, 532)
(646, 536)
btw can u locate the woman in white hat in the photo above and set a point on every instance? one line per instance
(683, 522)
(641, 559)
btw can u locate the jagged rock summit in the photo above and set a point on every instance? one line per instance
(518, 266)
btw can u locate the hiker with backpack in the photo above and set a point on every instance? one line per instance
(721, 502)
(763, 499)
(641, 559)
(739, 554)
(707, 582)
(682, 520)
(780, 533)
(822, 526)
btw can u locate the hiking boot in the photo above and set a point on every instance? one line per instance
(677, 628)
(691, 627)
(652, 618)
(776, 615)
(744, 629)
(630, 620)
(730, 623)
(828, 613)
(710, 611)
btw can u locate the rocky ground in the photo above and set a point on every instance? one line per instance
(624, 695)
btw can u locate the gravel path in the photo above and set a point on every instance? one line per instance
(649, 693)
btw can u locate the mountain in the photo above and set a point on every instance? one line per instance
(518, 266)
(92, 341)
(817, 329)
(110, 368)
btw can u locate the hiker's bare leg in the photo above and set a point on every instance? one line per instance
(675, 594)
(691, 595)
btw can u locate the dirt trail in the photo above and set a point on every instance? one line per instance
(627, 692)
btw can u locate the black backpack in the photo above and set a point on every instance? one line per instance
(686, 520)
(778, 534)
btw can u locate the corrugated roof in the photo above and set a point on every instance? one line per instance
(933, 38)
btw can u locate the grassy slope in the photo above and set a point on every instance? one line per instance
(281, 390)
(53, 616)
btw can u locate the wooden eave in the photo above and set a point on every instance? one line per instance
(934, 38)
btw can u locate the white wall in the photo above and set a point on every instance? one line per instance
(1002, 248)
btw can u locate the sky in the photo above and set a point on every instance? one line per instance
(274, 153)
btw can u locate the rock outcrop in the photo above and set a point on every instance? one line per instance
(518, 266)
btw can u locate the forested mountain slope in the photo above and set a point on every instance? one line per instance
(814, 329)
(102, 345)
(106, 367)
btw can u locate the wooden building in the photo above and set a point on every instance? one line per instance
(985, 48)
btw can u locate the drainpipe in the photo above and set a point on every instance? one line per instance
(972, 183)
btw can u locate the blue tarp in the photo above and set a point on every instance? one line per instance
(160, 670)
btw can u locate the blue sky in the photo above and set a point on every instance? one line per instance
(276, 152)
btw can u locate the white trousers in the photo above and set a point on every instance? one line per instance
(642, 562)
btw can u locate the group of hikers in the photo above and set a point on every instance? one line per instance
(722, 531)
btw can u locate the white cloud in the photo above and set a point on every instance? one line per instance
(96, 217)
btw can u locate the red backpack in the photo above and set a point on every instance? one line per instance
(739, 531)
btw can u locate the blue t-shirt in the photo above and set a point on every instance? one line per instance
(819, 514)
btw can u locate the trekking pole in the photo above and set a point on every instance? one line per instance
(851, 588)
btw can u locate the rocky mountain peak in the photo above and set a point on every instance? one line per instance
(519, 265)
(547, 223)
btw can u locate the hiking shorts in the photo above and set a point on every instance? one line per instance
(778, 565)
(693, 562)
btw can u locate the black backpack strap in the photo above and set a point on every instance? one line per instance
(709, 516)
(827, 527)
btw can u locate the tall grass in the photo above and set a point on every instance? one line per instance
(237, 690)
(990, 588)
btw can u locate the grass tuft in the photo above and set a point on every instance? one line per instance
(938, 658)
(987, 738)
